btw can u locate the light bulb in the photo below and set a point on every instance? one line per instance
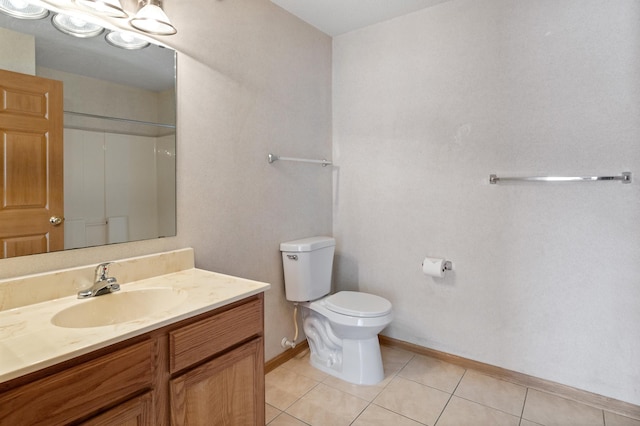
(19, 4)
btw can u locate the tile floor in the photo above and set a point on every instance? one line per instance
(418, 390)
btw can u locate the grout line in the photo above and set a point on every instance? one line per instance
(299, 398)
(443, 408)
(360, 413)
(450, 397)
(290, 415)
(526, 394)
(395, 412)
(370, 403)
(489, 407)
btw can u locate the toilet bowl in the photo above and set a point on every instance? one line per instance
(346, 346)
(342, 328)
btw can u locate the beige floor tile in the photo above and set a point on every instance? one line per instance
(551, 410)
(367, 393)
(300, 365)
(378, 416)
(414, 400)
(612, 419)
(270, 413)
(325, 405)
(283, 387)
(460, 412)
(416, 390)
(494, 393)
(525, 422)
(286, 420)
(394, 359)
(433, 372)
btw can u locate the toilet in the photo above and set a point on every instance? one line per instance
(342, 328)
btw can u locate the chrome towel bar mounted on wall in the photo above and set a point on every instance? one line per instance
(625, 177)
(272, 157)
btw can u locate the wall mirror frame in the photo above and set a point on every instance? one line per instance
(119, 134)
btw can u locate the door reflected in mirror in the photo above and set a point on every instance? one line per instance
(119, 139)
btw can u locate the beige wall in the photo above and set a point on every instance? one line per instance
(425, 107)
(17, 52)
(252, 79)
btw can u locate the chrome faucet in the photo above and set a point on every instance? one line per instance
(104, 283)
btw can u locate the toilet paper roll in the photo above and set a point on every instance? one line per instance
(433, 267)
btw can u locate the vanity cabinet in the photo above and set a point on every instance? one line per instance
(205, 370)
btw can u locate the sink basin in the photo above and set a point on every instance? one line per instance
(116, 308)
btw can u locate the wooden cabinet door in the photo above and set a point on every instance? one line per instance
(31, 157)
(228, 390)
(135, 412)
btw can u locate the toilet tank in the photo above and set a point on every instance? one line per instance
(307, 267)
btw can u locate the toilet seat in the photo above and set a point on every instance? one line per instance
(320, 306)
(356, 304)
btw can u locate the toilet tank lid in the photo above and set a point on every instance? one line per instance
(308, 244)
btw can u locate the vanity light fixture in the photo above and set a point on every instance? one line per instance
(112, 8)
(67, 17)
(22, 9)
(75, 26)
(126, 40)
(152, 19)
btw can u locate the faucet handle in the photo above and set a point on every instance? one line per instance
(102, 271)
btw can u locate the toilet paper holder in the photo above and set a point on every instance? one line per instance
(436, 267)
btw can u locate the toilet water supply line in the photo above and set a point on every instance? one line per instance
(292, 343)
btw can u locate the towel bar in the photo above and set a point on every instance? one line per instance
(625, 177)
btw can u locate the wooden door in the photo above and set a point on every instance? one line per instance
(228, 390)
(31, 157)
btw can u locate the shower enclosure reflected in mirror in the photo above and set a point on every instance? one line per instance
(119, 135)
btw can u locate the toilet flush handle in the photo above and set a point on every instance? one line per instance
(292, 256)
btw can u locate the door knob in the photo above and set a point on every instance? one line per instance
(55, 220)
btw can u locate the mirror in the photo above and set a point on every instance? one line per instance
(119, 129)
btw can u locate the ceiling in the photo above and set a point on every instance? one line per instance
(335, 17)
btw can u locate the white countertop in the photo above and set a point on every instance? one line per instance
(29, 341)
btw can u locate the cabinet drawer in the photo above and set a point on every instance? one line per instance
(196, 342)
(80, 390)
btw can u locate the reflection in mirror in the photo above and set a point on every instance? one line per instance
(118, 136)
